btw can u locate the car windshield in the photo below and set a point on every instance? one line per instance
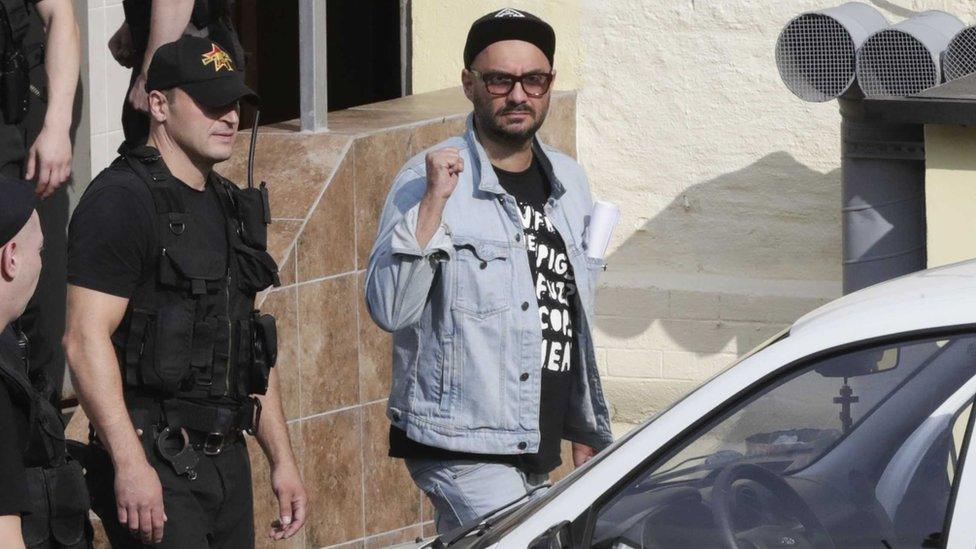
(796, 422)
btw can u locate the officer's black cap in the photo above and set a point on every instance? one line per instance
(200, 67)
(509, 24)
(17, 203)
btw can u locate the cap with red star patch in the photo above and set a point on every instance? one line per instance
(200, 67)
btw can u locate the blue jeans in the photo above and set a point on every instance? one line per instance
(463, 491)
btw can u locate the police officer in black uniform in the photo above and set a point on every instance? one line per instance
(38, 76)
(43, 500)
(148, 25)
(171, 362)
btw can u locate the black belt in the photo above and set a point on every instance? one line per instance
(213, 419)
(214, 426)
(212, 444)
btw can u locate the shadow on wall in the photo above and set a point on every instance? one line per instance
(745, 250)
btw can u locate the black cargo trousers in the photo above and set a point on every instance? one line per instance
(215, 510)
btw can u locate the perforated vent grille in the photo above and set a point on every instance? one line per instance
(960, 58)
(815, 57)
(893, 62)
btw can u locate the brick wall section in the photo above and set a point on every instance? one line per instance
(655, 345)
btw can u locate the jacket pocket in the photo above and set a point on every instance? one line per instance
(482, 277)
(446, 370)
(481, 396)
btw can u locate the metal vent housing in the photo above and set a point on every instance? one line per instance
(816, 51)
(906, 58)
(960, 57)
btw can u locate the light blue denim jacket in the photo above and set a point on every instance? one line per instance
(464, 314)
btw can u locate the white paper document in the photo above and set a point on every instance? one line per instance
(603, 220)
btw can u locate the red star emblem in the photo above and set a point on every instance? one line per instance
(219, 58)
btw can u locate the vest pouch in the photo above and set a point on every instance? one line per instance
(196, 270)
(14, 86)
(47, 440)
(264, 351)
(169, 363)
(35, 523)
(254, 214)
(69, 503)
(256, 269)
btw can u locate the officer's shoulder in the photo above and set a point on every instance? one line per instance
(118, 177)
(418, 163)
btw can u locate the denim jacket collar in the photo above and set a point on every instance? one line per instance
(486, 177)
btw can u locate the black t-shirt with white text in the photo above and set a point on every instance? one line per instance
(555, 288)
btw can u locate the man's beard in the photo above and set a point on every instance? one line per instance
(488, 122)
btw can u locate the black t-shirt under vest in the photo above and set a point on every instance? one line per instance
(555, 286)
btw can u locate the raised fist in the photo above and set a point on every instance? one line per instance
(443, 168)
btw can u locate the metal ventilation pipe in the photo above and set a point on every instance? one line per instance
(839, 53)
(906, 58)
(816, 51)
(960, 57)
(883, 190)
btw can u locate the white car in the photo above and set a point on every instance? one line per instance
(851, 429)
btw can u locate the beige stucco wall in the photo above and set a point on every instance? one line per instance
(729, 185)
(440, 27)
(950, 193)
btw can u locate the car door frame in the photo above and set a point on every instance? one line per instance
(960, 526)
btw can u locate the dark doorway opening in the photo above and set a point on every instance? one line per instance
(364, 51)
(269, 34)
(366, 60)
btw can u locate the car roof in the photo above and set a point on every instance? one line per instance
(938, 297)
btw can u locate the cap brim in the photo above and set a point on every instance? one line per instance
(220, 92)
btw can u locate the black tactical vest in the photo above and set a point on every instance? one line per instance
(191, 331)
(58, 515)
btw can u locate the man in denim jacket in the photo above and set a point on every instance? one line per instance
(480, 271)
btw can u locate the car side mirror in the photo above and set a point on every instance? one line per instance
(559, 536)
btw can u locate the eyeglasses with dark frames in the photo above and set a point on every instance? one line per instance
(535, 84)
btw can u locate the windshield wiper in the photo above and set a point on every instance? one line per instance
(483, 524)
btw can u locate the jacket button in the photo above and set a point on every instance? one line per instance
(483, 265)
(525, 306)
(524, 377)
(396, 415)
(522, 446)
(518, 238)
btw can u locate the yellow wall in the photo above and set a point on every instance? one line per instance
(950, 193)
(439, 30)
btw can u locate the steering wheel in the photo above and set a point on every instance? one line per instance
(812, 533)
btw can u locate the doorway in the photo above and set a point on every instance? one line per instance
(367, 61)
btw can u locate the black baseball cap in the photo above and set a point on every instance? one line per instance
(17, 203)
(509, 24)
(200, 67)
